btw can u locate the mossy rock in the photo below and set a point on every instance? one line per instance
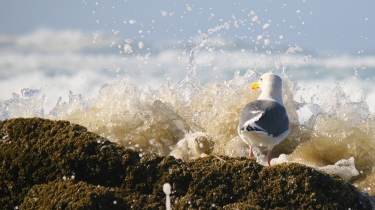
(69, 194)
(294, 186)
(36, 151)
(49, 164)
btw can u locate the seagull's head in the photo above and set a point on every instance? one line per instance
(271, 86)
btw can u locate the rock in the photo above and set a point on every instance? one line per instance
(49, 164)
(70, 194)
(37, 151)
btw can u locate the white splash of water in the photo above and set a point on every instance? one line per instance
(167, 191)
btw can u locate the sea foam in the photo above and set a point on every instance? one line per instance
(163, 122)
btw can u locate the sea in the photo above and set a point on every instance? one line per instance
(184, 98)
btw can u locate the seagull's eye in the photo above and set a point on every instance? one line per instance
(260, 79)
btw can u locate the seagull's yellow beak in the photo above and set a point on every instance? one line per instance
(255, 85)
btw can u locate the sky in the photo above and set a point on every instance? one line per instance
(345, 26)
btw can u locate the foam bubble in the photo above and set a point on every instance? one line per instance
(344, 168)
(192, 146)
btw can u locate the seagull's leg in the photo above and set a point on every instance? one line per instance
(251, 154)
(269, 157)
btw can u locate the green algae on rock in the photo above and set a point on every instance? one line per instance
(49, 164)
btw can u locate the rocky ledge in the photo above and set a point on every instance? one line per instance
(49, 164)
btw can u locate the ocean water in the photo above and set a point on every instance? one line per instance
(184, 99)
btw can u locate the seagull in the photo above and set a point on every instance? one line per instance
(264, 122)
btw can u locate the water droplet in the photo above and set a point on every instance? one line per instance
(266, 25)
(167, 188)
(141, 45)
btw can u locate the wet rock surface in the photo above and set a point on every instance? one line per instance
(49, 164)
